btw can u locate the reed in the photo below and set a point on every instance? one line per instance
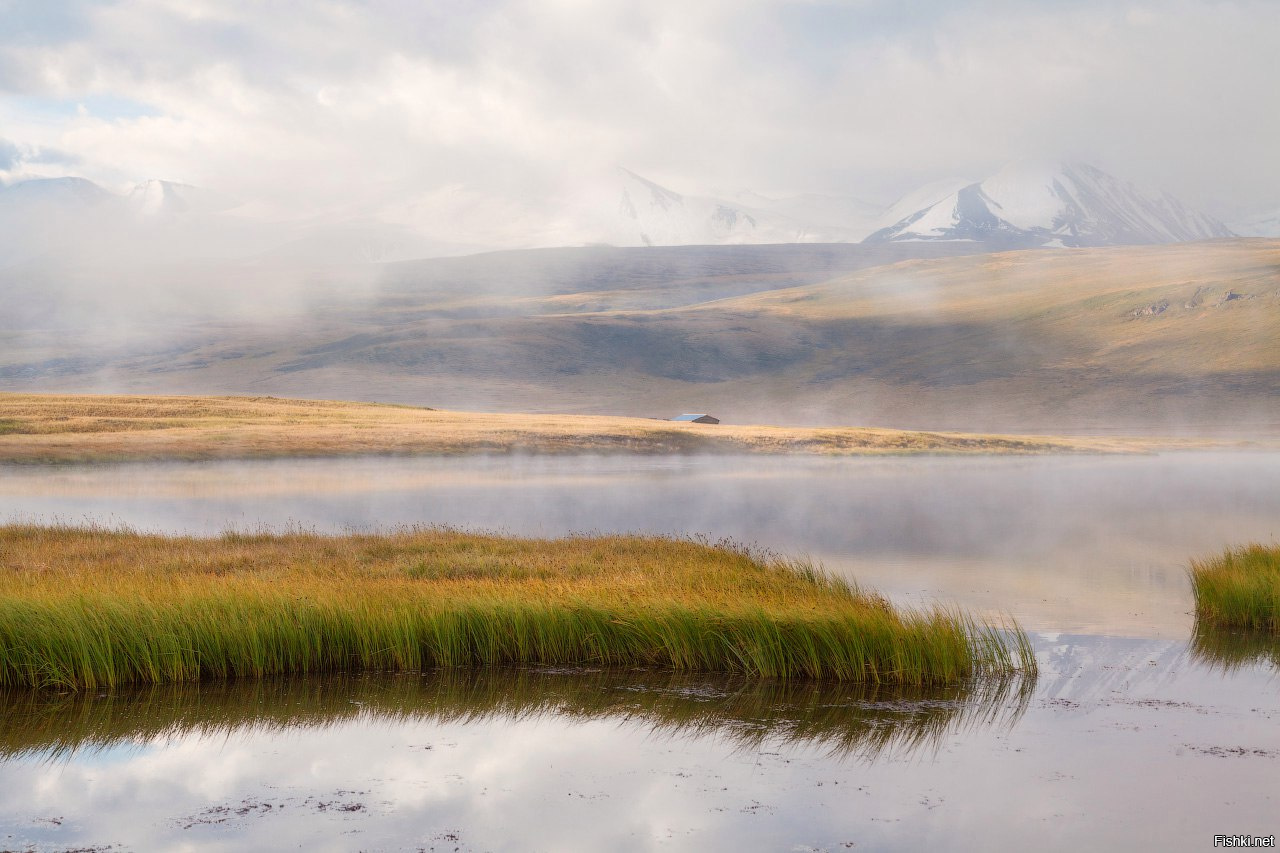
(92, 607)
(1239, 589)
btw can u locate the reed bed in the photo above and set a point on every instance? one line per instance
(1239, 589)
(91, 608)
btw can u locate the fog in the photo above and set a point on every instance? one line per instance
(1066, 544)
(489, 124)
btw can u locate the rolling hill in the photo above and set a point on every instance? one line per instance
(1180, 338)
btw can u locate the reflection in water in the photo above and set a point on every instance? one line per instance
(1128, 743)
(862, 721)
(1232, 649)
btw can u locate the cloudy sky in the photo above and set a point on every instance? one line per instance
(485, 117)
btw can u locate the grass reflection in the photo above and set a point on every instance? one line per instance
(1231, 649)
(863, 721)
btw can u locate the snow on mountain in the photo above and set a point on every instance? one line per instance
(158, 198)
(847, 216)
(926, 196)
(648, 214)
(1266, 224)
(1026, 205)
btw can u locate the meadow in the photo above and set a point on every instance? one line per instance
(38, 428)
(88, 608)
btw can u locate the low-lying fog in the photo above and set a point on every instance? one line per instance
(1093, 544)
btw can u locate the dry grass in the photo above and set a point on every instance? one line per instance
(73, 428)
(92, 607)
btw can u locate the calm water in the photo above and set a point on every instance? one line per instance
(1133, 736)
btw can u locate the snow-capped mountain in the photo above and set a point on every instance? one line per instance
(1025, 206)
(160, 198)
(649, 214)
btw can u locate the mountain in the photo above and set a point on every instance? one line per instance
(644, 213)
(1074, 204)
(1265, 224)
(929, 335)
(157, 198)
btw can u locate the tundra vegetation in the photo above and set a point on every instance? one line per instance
(73, 428)
(93, 608)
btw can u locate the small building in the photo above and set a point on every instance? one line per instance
(697, 419)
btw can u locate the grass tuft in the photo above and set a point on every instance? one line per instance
(1239, 589)
(92, 608)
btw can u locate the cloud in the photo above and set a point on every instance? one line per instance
(360, 109)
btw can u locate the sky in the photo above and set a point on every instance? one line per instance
(487, 119)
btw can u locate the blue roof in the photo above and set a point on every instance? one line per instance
(690, 417)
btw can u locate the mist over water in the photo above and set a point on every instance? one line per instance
(1088, 553)
(1096, 544)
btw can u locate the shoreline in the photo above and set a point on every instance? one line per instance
(76, 429)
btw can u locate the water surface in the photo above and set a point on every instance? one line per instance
(1140, 732)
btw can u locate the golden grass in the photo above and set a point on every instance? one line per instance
(86, 608)
(1239, 589)
(75, 428)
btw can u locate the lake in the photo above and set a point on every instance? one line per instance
(1133, 735)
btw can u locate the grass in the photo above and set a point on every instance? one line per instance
(93, 608)
(866, 720)
(1239, 589)
(72, 428)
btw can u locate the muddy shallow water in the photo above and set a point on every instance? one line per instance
(1137, 734)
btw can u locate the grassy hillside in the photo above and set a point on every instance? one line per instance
(48, 428)
(1158, 339)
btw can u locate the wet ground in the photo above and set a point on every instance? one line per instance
(1139, 732)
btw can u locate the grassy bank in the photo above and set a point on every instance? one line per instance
(72, 428)
(86, 608)
(1239, 589)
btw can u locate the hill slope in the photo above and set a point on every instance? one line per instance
(1179, 338)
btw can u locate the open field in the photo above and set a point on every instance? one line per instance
(47, 428)
(86, 608)
(1239, 589)
(1180, 339)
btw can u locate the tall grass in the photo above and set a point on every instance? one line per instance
(862, 720)
(90, 608)
(1239, 589)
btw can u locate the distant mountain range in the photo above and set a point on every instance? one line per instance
(1026, 206)
(1022, 206)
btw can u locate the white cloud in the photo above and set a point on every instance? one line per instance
(375, 109)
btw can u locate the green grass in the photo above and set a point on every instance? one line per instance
(866, 720)
(92, 608)
(1239, 589)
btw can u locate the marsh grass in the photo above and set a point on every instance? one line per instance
(868, 721)
(1239, 589)
(93, 608)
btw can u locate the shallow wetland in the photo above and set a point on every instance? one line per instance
(1139, 731)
